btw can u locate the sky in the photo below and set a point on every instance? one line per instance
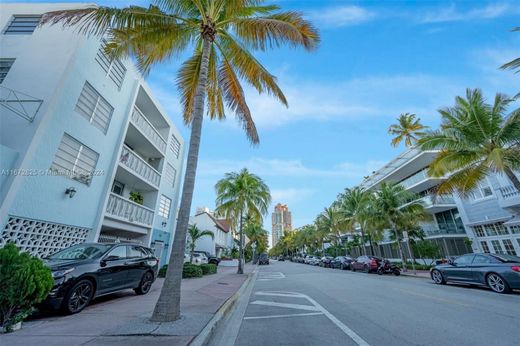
(376, 60)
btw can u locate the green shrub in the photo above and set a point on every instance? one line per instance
(25, 281)
(191, 271)
(162, 271)
(208, 268)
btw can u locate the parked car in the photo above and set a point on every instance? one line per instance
(198, 258)
(281, 258)
(89, 270)
(368, 264)
(211, 259)
(314, 260)
(263, 259)
(325, 261)
(342, 262)
(499, 272)
(187, 258)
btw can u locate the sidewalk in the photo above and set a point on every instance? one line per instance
(424, 274)
(122, 318)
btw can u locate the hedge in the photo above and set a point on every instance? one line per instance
(208, 268)
(191, 271)
(162, 271)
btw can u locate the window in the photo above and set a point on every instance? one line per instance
(497, 246)
(485, 246)
(482, 191)
(479, 231)
(118, 188)
(164, 206)
(464, 260)
(518, 241)
(119, 252)
(515, 229)
(175, 146)
(171, 172)
(22, 25)
(5, 66)
(493, 229)
(479, 259)
(508, 245)
(74, 160)
(113, 68)
(94, 108)
(136, 252)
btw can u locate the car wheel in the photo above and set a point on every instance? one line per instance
(437, 277)
(78, 297)
(145, 284)
(497, 283)
(366, 269)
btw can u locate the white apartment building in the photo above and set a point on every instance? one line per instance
(86, 152)
(205, 220)
(489, 217)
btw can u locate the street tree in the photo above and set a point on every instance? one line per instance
(195, 234)
(408, 128)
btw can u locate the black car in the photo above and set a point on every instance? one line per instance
(325, 261)
(211, 259)
(89, 270)
(342, 262)
(263, 259)
(499, 272)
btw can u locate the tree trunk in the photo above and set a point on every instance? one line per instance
(513, 178)
(363, 241)
(400, 247)
(241, 248)
(167, 308)
(371, 244)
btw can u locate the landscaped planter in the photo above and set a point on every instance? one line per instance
(228, 263)
(14, 327)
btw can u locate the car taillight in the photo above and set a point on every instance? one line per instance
(516, 269)
(373, 262)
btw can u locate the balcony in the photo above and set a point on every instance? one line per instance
(148, 130)
(435, 204)
(127, 211)
(510, 198)
(133, 162)
(420, 181)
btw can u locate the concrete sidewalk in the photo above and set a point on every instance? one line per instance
(424, 274)
(122, 318)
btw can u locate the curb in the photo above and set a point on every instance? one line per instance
(207, 332)
(415, 276)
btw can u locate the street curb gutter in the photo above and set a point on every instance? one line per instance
(207, 332)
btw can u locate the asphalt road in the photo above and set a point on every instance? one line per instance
(297, 304)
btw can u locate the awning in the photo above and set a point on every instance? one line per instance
(513, 222)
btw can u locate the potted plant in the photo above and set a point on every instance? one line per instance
(135, 196)
(26, 281)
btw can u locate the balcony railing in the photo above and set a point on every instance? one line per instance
(127, 210)
(414, 179)
(148, 129)
(509, 192)
(431, 201)
(139, 166)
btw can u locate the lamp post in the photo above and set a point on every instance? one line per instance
(253, 246)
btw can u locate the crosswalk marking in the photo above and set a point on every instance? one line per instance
(281, 316)
(286, 305)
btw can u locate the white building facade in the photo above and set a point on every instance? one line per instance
(221, 229)
(86, 152)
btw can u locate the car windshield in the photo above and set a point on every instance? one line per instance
(507, 258)
(81, 252)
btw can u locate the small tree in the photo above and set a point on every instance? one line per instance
(195, 234)
(426, 249)
(25, 281)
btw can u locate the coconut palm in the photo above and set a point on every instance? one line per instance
(354, 207)
(241, 195)
(195, 234)
(257, 235)
(329, 224)
(515, 63)
(475, 140)
(394, 206)
(222, 34)
(408, 128)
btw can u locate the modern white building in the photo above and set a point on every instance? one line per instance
(489, 218)
(221, 229)
(86, 152)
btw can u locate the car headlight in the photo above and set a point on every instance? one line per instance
(60, 273)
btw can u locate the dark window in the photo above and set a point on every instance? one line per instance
(118, 188)
(23, 24)
(136, 252)
(479, 259)
(464, 260)
(119, 251)
(5, 66)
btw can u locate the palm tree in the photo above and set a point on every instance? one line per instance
(475, 139)
(195, 234)
(394, 206)
(329, 224)
(515, 63)
(241, 195)
(408, 128)
(258, 235)
(222, 34)
(354, 207)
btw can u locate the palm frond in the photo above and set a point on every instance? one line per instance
(187, 81)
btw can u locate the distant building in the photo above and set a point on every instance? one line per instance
(86, 151)
(221, 229)
(281, 222)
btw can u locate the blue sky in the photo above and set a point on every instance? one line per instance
(377, 59)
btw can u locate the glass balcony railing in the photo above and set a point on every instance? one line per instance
(414, 179)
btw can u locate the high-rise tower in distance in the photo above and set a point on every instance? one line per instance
(281, 221)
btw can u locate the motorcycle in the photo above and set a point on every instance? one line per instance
(386, 267)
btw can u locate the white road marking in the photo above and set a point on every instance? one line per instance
(279, 316)
(279, 294)
(285, 305)
(266, 276)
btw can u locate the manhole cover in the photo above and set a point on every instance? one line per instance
(222, 283)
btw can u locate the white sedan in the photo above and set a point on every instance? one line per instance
(199, 258)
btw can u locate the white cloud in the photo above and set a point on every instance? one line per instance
(451, 14)
(290, 195)
(341, 16)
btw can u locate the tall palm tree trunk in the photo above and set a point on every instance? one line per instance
(241, 248)
(513, 178)
(400, 247)
(168, 305)
(363, 241)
